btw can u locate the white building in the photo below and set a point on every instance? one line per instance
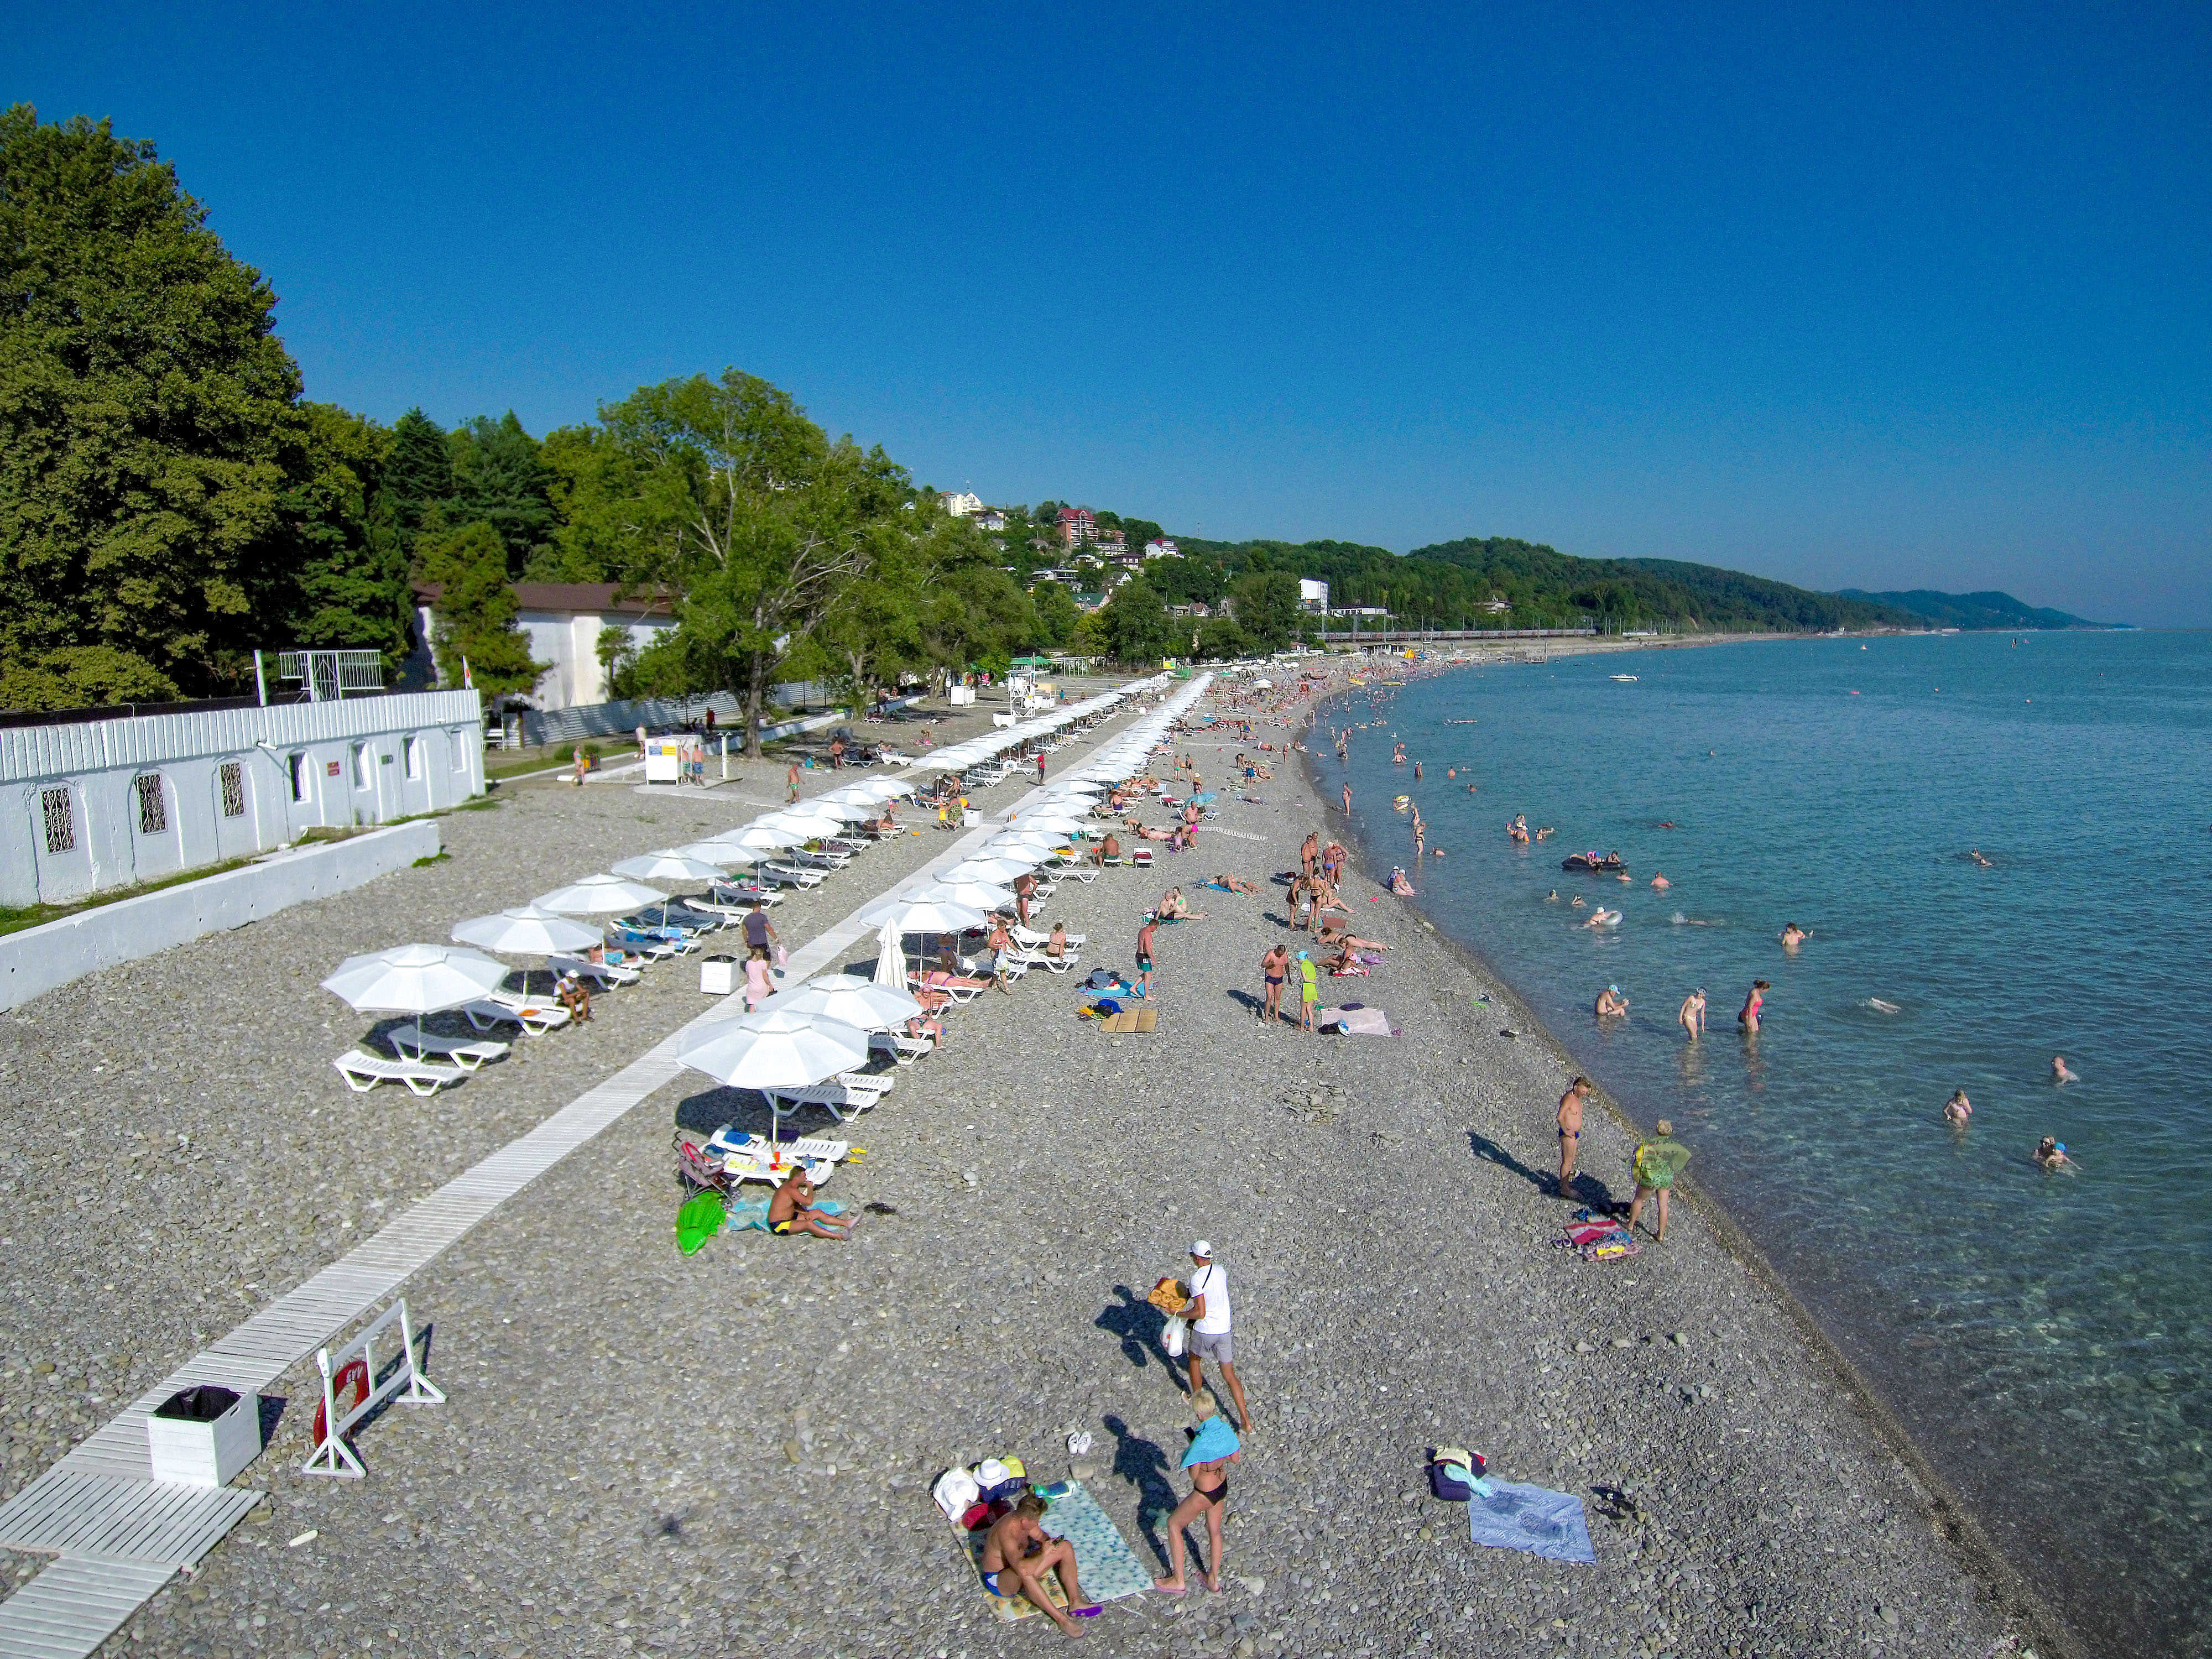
(962, 504)
(1162, 547)
(90, 804)
(989, 518)
(1313, 596)
(563, 621)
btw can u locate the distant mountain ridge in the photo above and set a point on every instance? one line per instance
(1972, 610)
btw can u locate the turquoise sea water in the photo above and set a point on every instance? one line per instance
(2047, 1337)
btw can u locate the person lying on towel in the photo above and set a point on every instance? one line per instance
(1019, 1550)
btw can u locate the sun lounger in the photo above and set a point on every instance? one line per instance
(1142, 857)
(743, 893)
(790, 875)
(506, 1007)
(844, 1097)
(363, 1072)
(1036, 940)
(901, 1048)
(413, 1043)
(605, 974)
(818, 859)
(1037, 958)
(959, 989)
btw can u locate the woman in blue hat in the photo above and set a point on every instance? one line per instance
(1212, 1451)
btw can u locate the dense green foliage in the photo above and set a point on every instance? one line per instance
(1972, 610)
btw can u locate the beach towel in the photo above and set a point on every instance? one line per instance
(1358, 1022)
(748, 1214)
(1104, 1562)
(1512, 1516)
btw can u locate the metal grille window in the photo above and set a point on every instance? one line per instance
(153, 808)
(61, 823)
(233, 790)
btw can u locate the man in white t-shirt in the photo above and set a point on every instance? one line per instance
(1208, 1313)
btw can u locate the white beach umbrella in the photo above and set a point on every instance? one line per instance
(718, 853)
(851, 1000)
(768, 1049)
(799, 821)
(526, 930)
(913, 914)
(760, 838)
(974, 895)
(670, 866)
(415, 979)
(989, 872)
(599, 895)
(844, 811)
(885, 787)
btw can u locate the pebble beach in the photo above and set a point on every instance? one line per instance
(731, 1452)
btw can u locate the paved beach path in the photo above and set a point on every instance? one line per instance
(730, 1453)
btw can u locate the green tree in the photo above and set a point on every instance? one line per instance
(1267, 608)
(476, 612)
(1091, 638)
(1219, 638)
(351, 580)
(148, 436)
(1056, 614)
(1137, 626)
(500, 478)
(417, 477)
(756, 521)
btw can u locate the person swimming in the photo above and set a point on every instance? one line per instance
(1958, 1109)
(2061, 1073)
(1660, 880)
(1551, 898)
(1793, 936)
(2051, 1154)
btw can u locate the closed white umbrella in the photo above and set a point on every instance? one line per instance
(599, 895)
(851, 1000)
(526, 930)
(891, 956)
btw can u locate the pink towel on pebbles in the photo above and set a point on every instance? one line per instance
(1359, 1022)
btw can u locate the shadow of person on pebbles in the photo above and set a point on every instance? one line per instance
(1138, 1323)
(1142, 1464)
(1491, 1152)
(1246, 1001)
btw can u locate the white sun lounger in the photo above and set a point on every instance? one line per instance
(411, 1042)
(505, 1007)
(1026, 960)
(844, 1097)
(363, 1072)
(608, 973)
(1037, 941)
(900, 1046)
(791, 875)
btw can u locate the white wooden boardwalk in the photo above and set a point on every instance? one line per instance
(119, 1533)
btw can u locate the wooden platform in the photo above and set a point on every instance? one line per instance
(1131, 1019)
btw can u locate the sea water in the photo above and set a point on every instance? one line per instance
(2044, 1336)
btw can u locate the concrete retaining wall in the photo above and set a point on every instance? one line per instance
(40, 958)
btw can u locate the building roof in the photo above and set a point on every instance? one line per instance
(594, 598)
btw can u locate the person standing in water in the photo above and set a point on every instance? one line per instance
(2061, 1073)
(1751, 1005)
(1571, 1132)
(1958, 1110)
(1347, 801)
(1692, 1016)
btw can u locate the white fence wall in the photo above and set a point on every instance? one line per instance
(102, 804)
(38, 958)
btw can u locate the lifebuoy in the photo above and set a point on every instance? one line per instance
(348, 1389)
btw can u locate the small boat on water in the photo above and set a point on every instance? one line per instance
(1626, 679)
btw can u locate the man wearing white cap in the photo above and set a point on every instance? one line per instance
(1208, 1313)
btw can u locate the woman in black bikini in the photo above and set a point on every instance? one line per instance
(1212, 1451)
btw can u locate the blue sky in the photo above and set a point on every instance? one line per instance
(1847, 296)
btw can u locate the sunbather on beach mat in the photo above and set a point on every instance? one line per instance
(1102, 1560)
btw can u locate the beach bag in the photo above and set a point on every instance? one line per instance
(1445, 1482)
(1175, 1338)
(954, 1493)
(1102, 979)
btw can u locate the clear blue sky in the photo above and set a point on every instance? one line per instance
(1845, 295)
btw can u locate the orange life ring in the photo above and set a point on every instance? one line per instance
(348, 1389)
